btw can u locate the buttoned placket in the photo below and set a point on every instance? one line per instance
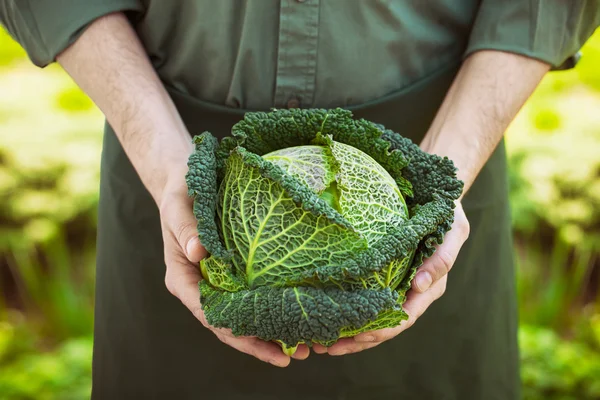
(297, 53)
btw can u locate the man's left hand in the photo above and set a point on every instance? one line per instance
(428, 285)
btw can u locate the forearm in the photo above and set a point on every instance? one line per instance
(110, 65)
(488, 92)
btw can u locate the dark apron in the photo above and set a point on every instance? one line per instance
(149, 346)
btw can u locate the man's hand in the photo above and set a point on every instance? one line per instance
(183, 251)
(484, 98)
(110, 65)
(428, 285)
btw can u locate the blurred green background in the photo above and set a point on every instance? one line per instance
(50, 143)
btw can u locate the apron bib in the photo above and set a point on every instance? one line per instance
(147, 345)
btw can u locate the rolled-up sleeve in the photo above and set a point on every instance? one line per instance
(552, 31)
(45, 28)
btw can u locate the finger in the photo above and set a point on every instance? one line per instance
(182, 225)
(319, 348)
(184, 279)
(442, 260)
(194, 249)
(349, 346)
(265, 351)
(181, 280)
(301, 353)
(384, 334)
(415, 306)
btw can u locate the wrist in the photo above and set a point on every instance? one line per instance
(169, 181)
(163, 168)
(487, 93)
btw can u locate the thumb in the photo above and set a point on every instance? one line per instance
(180, 220)
(439, 264)
(194, 250)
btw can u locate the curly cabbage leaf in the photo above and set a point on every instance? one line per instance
(286, 314)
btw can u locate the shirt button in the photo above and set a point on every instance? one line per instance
(293, 103)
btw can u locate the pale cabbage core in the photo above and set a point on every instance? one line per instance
(351, 181)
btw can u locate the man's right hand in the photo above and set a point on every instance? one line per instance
(108, 62)
(183, 252)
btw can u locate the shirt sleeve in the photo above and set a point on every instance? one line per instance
(552, 31)
(45, 28)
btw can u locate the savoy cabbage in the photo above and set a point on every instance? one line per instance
(315, 223)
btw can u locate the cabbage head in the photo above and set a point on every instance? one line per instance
(315, 223)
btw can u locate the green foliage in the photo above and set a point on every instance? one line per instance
(49, 170)
(16, 337)
(566, 282)
(553, 148)
(64, 373)
(554, 178)
(10, 51)
(553, 155)
(311, 237)
(587, 70)
(587, 327)
(547, 120)
(73, 99)
(54, 286)
(49, 158)
(555, 369)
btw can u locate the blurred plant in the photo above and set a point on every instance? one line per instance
(62, 374)
(49, 158)
(16, 337)
(587, 328)
(50, 135)
(9, 50)
(555, 282)
(553, 148)
(53, 285)
(72, 99)
(555, 369)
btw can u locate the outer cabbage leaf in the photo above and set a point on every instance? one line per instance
(201, 180)
(265, 132)
(296, 314)
(435, 185)
(220, 274)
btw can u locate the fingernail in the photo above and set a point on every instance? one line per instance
(368, 338)
(423, 280)
(190, 246)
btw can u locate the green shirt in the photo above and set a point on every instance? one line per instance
(309, 53)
